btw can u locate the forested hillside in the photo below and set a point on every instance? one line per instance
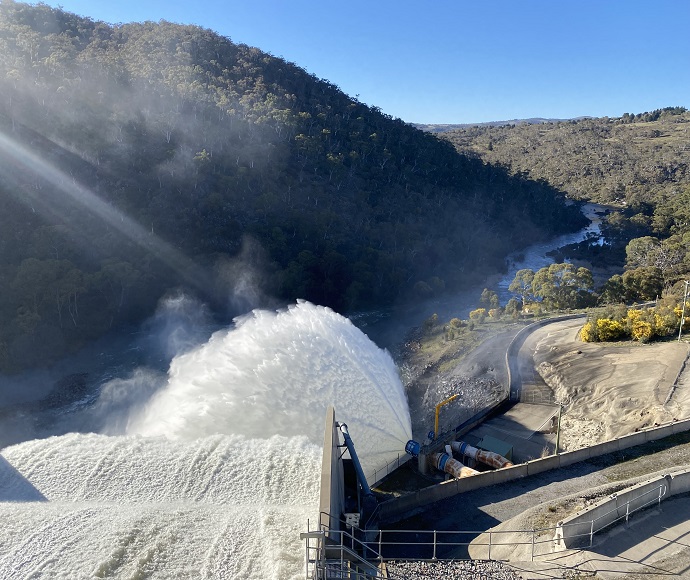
(639, 163)
(139, 158)
(634, 159)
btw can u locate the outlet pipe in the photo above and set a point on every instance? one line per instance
(366, 490)
(443, 462)
(486, 457)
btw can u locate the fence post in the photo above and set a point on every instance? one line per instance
(380, 542)
(591, 533)
(627, 511)
(433, 557)
(489, 558)
(532, 545)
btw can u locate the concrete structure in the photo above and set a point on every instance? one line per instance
(401, 507)
(578, 529)
(331, 500)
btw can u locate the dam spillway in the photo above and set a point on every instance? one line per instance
(217, 473)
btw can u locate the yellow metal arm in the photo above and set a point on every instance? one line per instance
(438, 408)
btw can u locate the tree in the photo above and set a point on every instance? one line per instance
(640, 252)
(644, 283)
(613, 291)
(646, 252)
(522, 285)
(489, 299)
(512, 308)
(563, 286)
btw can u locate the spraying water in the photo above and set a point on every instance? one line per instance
(218, 474)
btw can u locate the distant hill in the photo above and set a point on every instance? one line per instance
(639, 163)
(443, 128)
(597, 159)
(145, 157)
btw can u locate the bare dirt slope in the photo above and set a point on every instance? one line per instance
(611, 390)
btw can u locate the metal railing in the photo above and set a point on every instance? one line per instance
(339, 554)
(534, 396)
(378, 474)
(344, 554)
(654, 496)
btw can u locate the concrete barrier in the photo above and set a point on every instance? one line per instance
(578, 529)
(570, 457)
(545, 464)
(605, 448)
(660, 433)
(633, 439)
(398, 508)
(680, 482)
(511, 473)
(681, 426)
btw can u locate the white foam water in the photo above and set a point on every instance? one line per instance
(218, 475)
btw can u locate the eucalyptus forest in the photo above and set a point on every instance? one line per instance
(142, 159)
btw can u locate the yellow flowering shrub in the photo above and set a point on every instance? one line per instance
(642, 331)
(478, 314)
(608, 329)
(587, 333)
(634, 315)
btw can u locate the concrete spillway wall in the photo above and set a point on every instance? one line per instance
(332, 476)
(517, 342)
(396, 509)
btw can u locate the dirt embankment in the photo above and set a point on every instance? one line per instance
(434, 368)
(610, 390)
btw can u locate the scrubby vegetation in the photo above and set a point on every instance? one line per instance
(640, 324)
(639, 164)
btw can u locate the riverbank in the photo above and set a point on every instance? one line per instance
(472, 364)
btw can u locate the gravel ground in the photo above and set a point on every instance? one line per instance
(475, 569)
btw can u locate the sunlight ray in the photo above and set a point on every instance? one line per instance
(71, 190)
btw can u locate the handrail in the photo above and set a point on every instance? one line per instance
(657, 494)
(437, 548)
(395, 463)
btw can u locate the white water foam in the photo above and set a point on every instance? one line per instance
(275, 374)
(224, 471)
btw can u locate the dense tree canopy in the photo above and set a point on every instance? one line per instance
(558, 286)
(141, 157)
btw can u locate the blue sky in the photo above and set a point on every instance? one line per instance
(459, 61)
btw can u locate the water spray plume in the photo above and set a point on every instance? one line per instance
(275, 374)
(230, 473)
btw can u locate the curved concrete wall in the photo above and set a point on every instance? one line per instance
(576, 530)
(519, 339)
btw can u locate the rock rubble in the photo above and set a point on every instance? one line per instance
(443, 570)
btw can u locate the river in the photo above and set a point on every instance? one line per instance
(388, 328)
